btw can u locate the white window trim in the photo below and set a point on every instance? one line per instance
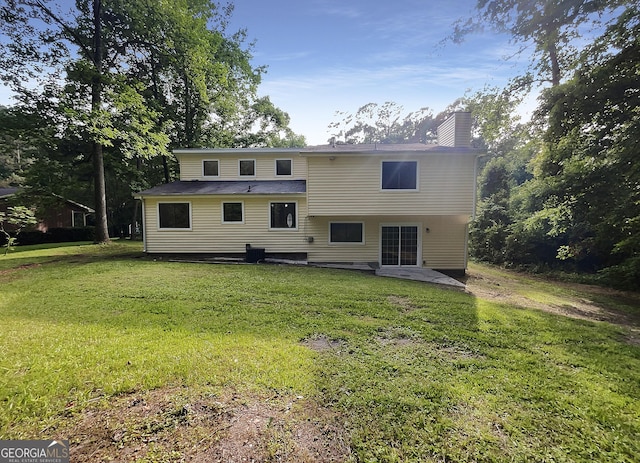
(159, 228)
(210, 176)
(222, 212)
(275, 167)
(347, 243)
(284, 229)
(255, 168)
(391, 190)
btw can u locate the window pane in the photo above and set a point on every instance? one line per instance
(346, 233)
(399, 175)
(210, 168)
(174, 215)
(283, 215)
(283, 166)
(390, 245)
(248, 167)
(408, 245)
(78, 219)
(232, 212)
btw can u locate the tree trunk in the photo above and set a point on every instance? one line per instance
(102, 227)
(555, 66)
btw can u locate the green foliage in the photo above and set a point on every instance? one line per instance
(552, 26)
(168, 74)
(13, 222)
(587, 177)
(562, 191)
(374, 123)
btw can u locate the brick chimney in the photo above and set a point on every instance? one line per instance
(456, 130)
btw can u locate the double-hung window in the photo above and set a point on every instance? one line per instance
(174, 216)
(247, 167)
(210, 168)
(232, 213)
(399, 175)
(284, 167)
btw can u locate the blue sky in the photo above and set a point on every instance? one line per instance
(325, 56)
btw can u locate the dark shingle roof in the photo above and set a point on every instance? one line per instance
(384, 149)
(240, 187)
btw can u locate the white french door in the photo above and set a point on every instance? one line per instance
(399, 245)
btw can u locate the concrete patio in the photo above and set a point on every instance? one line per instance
(426, 275)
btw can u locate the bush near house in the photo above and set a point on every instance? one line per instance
(54, 235)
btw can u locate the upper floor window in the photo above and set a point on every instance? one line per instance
(399, 175)
(210, 168)
(174, 215)
(284, 167)
(247, 167)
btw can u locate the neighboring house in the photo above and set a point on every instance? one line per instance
(385, 205)
(63, 213)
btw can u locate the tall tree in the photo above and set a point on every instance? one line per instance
(550, 25)
(141, 76)
(586, 189)
(44, 38)
(375, 123)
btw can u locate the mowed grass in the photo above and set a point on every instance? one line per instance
(415, 372)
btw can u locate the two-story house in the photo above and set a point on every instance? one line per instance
(384, 204)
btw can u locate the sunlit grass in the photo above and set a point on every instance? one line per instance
(417, 373)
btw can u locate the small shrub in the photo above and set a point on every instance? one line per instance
(624, 276)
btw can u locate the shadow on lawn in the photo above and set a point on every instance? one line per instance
(411, 371)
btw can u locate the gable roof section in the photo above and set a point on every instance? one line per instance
(234, 187)
(386, 149)
(8, 192)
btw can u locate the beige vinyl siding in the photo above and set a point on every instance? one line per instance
(191, 166)
(456, 130)
(349, 185)
(209, 235)
(442, 247)
(323, 251)
(445, 245)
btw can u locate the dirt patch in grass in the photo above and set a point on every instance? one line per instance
(178, 425)
(322, 343)
(398, 337)
(404, 303)
(18, 268)
(576, 300)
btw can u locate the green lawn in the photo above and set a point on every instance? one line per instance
(415, 372)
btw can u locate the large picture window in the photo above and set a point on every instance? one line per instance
(174, 215)
(346, 232)
(210, 168)
(283, 167)
(399, 175)
(232, 213)
(247, 167)
(283, 215)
